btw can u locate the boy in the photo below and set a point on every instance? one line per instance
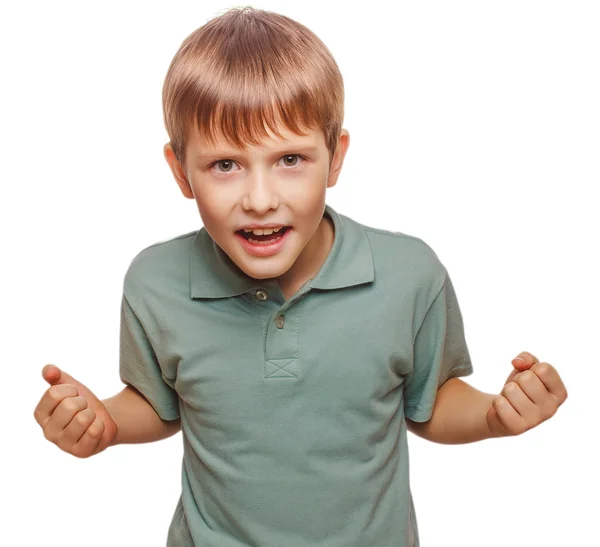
(292, 346)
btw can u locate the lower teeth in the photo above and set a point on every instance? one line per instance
(256, 242)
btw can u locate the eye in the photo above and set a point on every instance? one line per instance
(289, 160)
(292, 157)
(227, 164)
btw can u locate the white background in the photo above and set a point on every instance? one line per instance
(474, 126)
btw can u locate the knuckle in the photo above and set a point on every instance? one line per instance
(526, 376)
(48, 435)
(83, 418)
(542, 414)
(550, 410)
(561, 395)
(520, 427)
(69, 404)
(81, 402)
(80, 452)
(543, 369)
(501, 404)
(548, 414)
(95, 431)
(54, 394)
(74, 404)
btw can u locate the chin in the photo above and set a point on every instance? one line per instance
(265, 272)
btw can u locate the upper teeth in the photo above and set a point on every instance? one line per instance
(261, 231)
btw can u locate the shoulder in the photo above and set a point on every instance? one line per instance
(162, 263)
(407, 269)
(397, 253)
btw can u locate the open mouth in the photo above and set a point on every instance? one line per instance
(264, 238)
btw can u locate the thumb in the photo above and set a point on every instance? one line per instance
(521, 364)
(523, 361)
(55, 376)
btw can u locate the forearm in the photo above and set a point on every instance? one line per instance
(459, 415)
(136, 420)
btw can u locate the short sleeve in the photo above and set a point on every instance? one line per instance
(439, 352)
(139, 366)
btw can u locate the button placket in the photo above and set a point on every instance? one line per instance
(281, 345)
(280, 330)
(280, 317)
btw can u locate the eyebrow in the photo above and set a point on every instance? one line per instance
(306, 149)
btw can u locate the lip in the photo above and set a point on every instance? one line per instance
(263, 249)
(262, 226)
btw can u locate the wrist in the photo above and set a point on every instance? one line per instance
(493, 423)
(111, 419)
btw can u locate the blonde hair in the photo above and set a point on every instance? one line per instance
(248, 67)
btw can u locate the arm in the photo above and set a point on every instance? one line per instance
(136, 419)
(79, 423)
(459, 415)
(531, 395)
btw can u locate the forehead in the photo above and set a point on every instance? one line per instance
(311, 138)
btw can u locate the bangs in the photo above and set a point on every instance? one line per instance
(242, 120)
(266, 72)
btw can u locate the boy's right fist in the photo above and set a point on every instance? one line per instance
(72, 417)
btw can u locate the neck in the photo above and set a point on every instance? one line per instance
(311, 259)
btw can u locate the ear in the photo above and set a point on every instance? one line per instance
(338, 158)
(178, 171)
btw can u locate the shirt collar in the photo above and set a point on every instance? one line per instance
(349, 262)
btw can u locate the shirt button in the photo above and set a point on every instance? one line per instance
(261, 295)
(279, 321)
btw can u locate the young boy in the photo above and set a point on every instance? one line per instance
(293, 346)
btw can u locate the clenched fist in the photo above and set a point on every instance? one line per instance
(532, 394)
(72, 417)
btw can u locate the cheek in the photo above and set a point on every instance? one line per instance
(212, 209)
(210, 198)
(308, 194)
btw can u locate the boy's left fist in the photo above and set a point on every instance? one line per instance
(532, 394)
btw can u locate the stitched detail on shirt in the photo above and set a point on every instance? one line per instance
(128, 309)
(455, 372)
(281, 368)
(262, 325)
(430, 305)
(299, 305)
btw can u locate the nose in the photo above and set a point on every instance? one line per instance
(260, 193)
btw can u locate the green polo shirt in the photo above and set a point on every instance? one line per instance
(293, 412)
